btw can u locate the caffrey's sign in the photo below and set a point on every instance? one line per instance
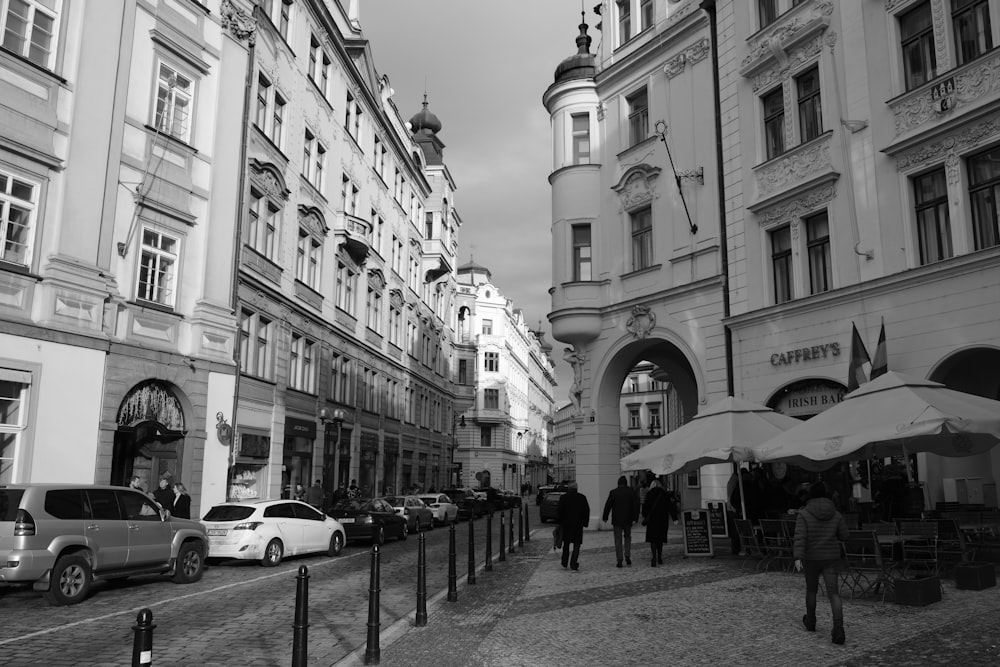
(822, 351)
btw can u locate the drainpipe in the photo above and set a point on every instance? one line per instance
(709, 7)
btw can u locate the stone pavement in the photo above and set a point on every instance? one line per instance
(694, 611)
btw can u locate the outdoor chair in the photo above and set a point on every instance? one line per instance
(920, 548)
(751, 546)
(777, 543)
(952, 545)
(867, 571)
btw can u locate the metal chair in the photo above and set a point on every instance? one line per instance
(867, 570)
(776, 541)
(920, 547)
(750, 544)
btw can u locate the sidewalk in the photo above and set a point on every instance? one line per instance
(694, 611)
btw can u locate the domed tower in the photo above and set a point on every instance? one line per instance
(572, 103)
(425, 126)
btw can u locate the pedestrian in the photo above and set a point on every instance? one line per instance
(657, 513)
(819, 530)
(163, 494)
(573, 515)
(136, 483)
(623, 507)
(353, 491)
(314, 496)
(182, 502)
(299, 493)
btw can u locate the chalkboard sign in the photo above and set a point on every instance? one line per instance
(697, 534)
(718, 519)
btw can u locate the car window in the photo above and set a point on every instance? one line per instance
(395, 501)
(306, 512)
(228, 513)
(10, 499)
(282, 510)
(349, 504)
(382, 506)
(64, 504)
(138, 507)
(103, 504)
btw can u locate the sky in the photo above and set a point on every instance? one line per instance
(485, 66)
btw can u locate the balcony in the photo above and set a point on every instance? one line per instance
(354, 234)
(438, 259)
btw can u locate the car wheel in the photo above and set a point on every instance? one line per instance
(273, 553)
(336, 545)
(379, 536)
(190, 563)
(405, 532)
(430, 525)
(70, 582)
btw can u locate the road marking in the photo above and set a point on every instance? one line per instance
(264, 577)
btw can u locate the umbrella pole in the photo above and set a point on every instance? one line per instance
(906, 465)
(743, 498)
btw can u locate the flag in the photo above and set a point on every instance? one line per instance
(880, 363)
(859, 356)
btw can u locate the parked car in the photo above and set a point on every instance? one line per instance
(445, 511)
(269, 530)
(63, 537)
(510, 498)
(371, 519)
(543, 490)
(469, 505)
(418, 515)
(549, 509)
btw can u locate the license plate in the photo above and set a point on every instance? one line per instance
(346, 519)
(217, 532)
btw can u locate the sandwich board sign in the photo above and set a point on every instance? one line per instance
(697, 533)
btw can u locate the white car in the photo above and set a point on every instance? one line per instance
(268, 530)
(445, 511)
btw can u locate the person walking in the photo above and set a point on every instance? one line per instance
(819, 530)
(315, 494)
(182, 502)
(622, 506)
(658, 511)
(573, 514)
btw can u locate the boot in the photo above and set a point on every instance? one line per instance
(837, 635)
(809, 621)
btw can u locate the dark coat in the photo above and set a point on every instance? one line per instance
(659, 510)
(164, 496)
(819, 530)
(574, 515)
(182, 507)
(622, 506)
(314, 495)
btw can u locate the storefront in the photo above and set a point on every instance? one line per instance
(249, 476)
(367, 474)
(296, 468)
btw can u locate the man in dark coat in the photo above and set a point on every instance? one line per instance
(574, 515)
(659, 510)
(623, 507)
(163, 494)
(315, 494)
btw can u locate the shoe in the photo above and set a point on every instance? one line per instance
(659, 559)
(575, 568)
(564, 566)
(652, 563)
(628, 561)
(837, 635)
(619, 564)
(809, 623)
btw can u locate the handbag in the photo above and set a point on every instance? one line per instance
(557, 537)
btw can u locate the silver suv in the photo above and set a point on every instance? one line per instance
(61, 537)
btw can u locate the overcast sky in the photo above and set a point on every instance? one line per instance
(486, 65)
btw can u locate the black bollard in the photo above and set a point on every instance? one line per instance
(372, 653)
(472, 555)
(300, 629)
(510, 528)
(489, 542)
(503, 548)
(452, 574)
(142, 644)
(422, 582)
(527, 530)
(520, 527)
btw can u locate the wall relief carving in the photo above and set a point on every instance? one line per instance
(794, 167)
(635, 188)
(795, 208)
(960, 142)
(981, 78)
(642, 322)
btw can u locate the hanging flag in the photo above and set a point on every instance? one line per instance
(859, 356)
(880, 363)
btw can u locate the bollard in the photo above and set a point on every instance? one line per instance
(520, 527)
(422, 582)
(452, 575)
(372, 653)
(300, 629)
(472, 555)
(527, 529)
(510, 528)
(489, 542)
(503, 548)
(142, 644)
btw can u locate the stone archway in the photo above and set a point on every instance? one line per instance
(149, 440)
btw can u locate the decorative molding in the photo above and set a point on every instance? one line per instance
(268, 177)
(796, 208)
(794, 167)
(775, 43)
(238, 22)
(602, 109)
(642, 322)
(692, 54)
(783, 69)
(311, 218)
(939, 21)
(794, 226)
(376, 280)
(957, 143)
(675, 65)
(635, 188)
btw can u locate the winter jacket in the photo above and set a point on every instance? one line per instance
(819, 530)
(622, 506)
(574, 514)
(659, 510)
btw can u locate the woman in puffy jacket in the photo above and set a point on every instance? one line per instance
(819, 530)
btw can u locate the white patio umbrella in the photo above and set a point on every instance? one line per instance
(891, 415)
(724, 431)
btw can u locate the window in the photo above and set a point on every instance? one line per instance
(307, 259)
(256, 345)
(157, 268)
(646, 12)
(633, 418)
(262, 232)
(314, 53)
(642, 238)
(781, 263)
(428, 225)
(774, 123)
(277, 134)
(280, 14)
(17, 214)
(301, 371)
(313, 160)
(270, 117)
(581, 138)
(395, 325)
(491, 399)
(933, 227)
(348, 195)
(624, 20)
(373, 310)
(14, 386)
(485, 436)
(818, 248)
(581, 253)
(340, 379)
(346, 277)
(917, 41)
(638, 117)
(28, 29)
(767, 11)
(491, 362)
(463, 371)
(973, 35)
(984, 192)
(654, 417)
(319, 66)
(263, 100)
(174, 93)
(487, 327)
(810, 105)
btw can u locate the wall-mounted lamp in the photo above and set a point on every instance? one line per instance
(461, 421)
(593, 415)
(337, 416)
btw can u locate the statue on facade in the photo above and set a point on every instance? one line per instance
(576, 360)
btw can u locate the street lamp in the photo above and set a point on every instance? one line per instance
(337, 416)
